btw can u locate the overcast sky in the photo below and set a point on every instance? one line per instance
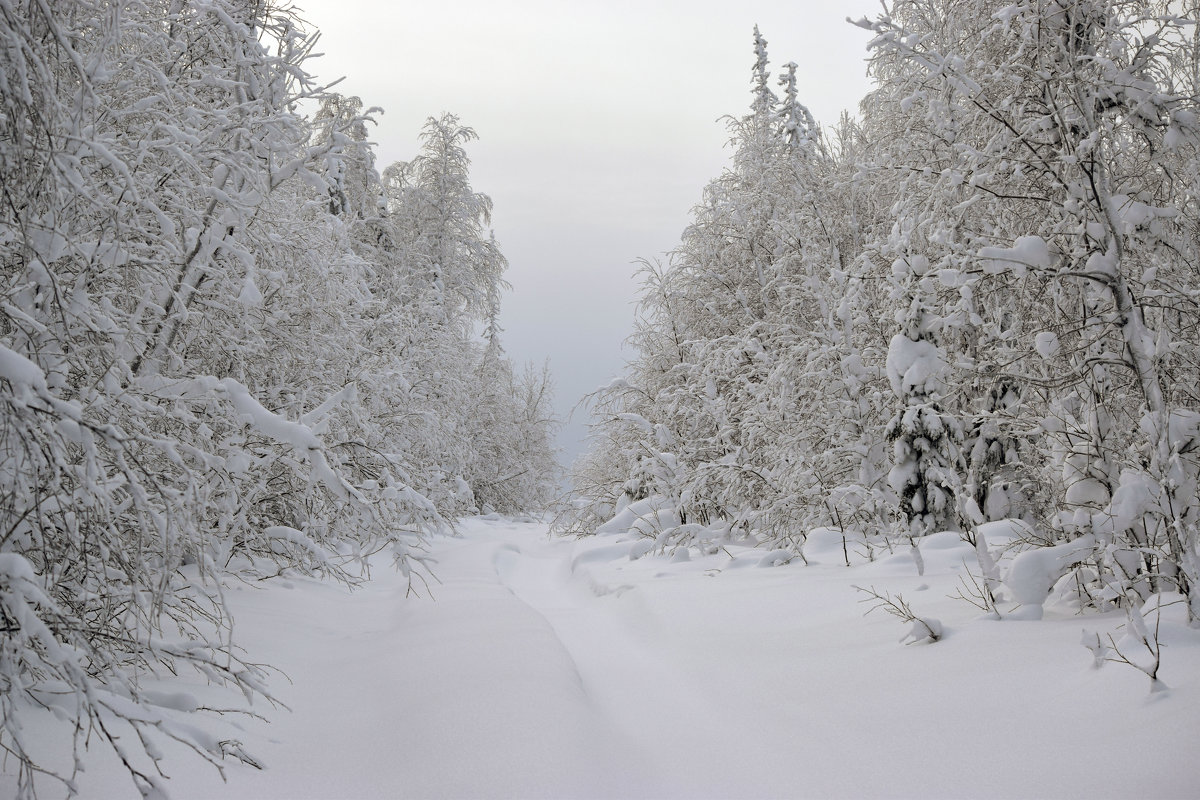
(599, 125)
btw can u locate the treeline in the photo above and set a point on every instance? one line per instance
(228, 346)
(979, 303)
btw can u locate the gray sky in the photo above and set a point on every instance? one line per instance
(599, 125)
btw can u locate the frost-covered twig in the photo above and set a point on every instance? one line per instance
(975, 592)
(923, 630)
(1139, 636)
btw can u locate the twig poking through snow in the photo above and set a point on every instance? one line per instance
(924, 630)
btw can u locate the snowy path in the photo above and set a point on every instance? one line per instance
(557, 669)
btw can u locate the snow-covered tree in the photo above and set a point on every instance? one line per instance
(1062, 127)
(192, 362)
(442, 223)
(719, 414)
(927, 462)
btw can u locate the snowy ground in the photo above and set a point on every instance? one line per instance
(557, 669)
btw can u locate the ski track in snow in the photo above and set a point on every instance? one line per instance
(541, 668)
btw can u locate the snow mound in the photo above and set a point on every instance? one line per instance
(1033, 573)
(776, 558)
(923, 630)
(647, 517)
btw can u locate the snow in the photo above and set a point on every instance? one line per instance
(644, 515)
(914, 365)
(1183, 431)
(1103, 264)
(542, 668)
(1033, 573)
(1137, 494)
(1134, 214)
(299, 436)
(1046, 343)
(1026, 252)
(250, 294)
(19, 371)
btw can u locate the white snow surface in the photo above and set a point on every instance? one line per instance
(551, 668)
